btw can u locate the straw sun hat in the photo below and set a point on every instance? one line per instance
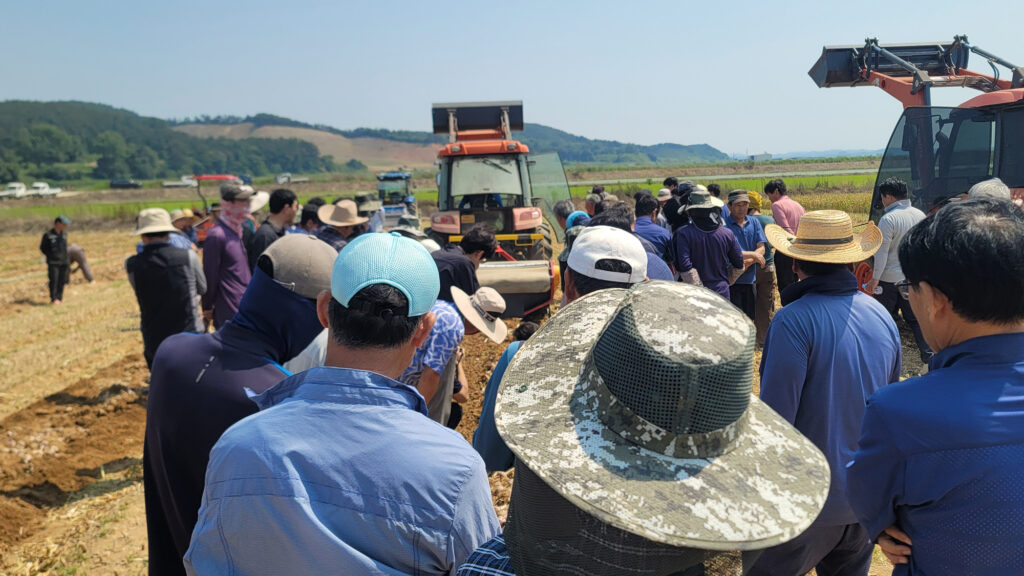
(826, 236)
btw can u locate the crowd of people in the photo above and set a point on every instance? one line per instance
(310, 428)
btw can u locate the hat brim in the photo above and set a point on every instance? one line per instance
(409, 231)
(767, 489)
(326, 212)
(711, 203)
(862, 247)
(155, 229)
(495, 330)
(258, 200)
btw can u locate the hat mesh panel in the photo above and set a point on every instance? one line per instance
(684, 393)
(547, 535)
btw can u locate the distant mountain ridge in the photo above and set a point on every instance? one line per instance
(538, 137)
(70, 140)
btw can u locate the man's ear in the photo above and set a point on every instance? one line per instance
(939, 306)
(323, 303)
(570, 288)
(423, 330)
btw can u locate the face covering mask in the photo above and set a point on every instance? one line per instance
(234, 215)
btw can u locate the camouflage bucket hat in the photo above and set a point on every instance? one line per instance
(636, 406)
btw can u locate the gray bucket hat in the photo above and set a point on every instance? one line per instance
(636, 406)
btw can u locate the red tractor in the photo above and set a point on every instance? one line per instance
(486, 177)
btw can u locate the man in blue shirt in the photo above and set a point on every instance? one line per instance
(827, 350)
(341, 471)
(602, 258)
(645, 227)
(937, 477)
(750, 235)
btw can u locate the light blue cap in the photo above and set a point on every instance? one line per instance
(577, 218)
(386, 259)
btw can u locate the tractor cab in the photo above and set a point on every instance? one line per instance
(393, 191)
(939, 151)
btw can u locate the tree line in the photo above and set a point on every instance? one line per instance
(41, 139)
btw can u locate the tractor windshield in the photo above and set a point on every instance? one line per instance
(393, 191)
(939, 152)
(486, 181)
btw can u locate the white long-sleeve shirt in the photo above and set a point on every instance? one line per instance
(899, 217)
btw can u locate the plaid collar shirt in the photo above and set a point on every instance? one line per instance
(490, 559)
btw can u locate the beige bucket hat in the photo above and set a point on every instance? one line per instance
(483, 309)
(344, 213)
(154, 221)
(636, 406)
(826, 236)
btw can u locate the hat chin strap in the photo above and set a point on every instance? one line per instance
(632, 427)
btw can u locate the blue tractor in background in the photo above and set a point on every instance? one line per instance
(393, 189)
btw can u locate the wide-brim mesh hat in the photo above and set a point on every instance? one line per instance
(154, 221)
(826, 236)
(636, 406)
(701, 199)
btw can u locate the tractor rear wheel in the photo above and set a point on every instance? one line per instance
(542, 249)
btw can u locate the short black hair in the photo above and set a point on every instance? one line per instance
(585, 284)
(893, 187)
(597, 189)
(618, 215)
(376, 317)
(563, 208)
(645, 203)
(605, 205)
(670, 182)
(479, 238)
(776, 185)
(316, 201)
(279, 199)
(970, 251)
(309, 214)
(157, 235)
(525, 330)
(715, 190)
(820, 268)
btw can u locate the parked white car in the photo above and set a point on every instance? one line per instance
(13, 190)
(42, 189)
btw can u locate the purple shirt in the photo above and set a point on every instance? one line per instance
(710, 253)
(226, 266)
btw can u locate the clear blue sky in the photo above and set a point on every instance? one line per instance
(730, 74)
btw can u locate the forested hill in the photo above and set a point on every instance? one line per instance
(71, 140)
(538, 137)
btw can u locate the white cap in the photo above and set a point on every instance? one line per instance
(606, 243)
